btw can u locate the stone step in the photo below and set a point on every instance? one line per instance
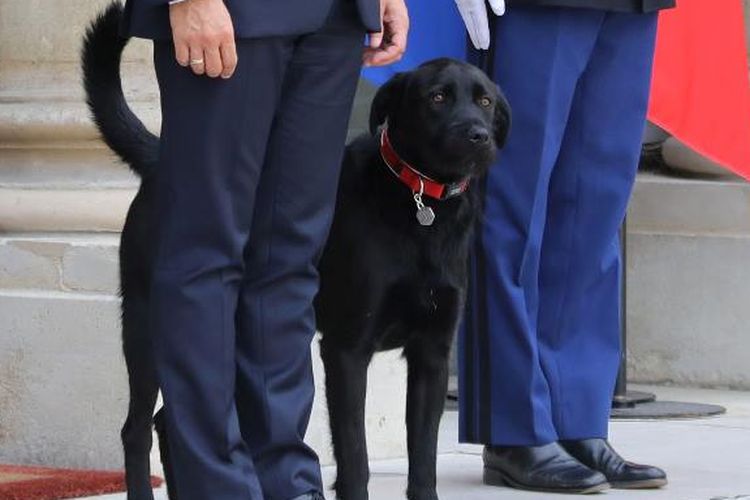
(55, 173)
(63, 189)
(688, 282)
(64, 168)
(70, 210)
(43, 105)
(663, 204)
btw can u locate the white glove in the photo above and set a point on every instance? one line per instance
(474, 14)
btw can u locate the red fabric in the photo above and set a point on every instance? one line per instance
(53, 484)
(701, 91)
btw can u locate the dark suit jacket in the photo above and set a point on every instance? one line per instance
(613, 5)
(251, 18)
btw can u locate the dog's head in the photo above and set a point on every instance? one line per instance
(446, 118)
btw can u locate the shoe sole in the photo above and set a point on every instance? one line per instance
(494, 477)
(646, 484)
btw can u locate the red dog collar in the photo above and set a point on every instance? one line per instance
(413, 178)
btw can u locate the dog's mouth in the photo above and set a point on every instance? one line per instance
(466, 163)
(464, 151)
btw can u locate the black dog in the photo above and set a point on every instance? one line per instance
(393, 273)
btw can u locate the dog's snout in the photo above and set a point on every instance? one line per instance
(478, 135)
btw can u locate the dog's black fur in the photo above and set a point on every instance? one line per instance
(128, 137)
(386, 281)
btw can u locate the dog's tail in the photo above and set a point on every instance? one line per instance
(120, 128)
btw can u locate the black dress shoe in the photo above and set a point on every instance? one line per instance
(599, 455)
(547, 468)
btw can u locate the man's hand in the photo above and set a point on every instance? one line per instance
(474, 14)
(204, 37)
(389, 45)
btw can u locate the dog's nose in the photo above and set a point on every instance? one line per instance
(479, 135)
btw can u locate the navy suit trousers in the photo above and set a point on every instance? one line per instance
(539, 351)
(246, 184)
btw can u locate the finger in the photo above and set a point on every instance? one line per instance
(197, 61)
(383, 56)
(498, 7)
(182, 53)
(213, 65)
(399, 40)
(369, 58)
(376, 39)
(467, 15)
(481, 28)
(387, 55)
(474, 39)
(228, 58)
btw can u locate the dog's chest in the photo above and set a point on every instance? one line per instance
(425, 296)
(419, 310)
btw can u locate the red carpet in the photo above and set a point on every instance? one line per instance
(42, 483)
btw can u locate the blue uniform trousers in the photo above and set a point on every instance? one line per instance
(246, 187)
(539, 349)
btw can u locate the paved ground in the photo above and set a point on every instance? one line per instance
(706, 459)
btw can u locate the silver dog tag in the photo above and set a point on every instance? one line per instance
(425, 216)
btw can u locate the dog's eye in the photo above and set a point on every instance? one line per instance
(485, 102)
(438, 97)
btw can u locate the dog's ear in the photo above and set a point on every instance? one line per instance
(386, 100)
(501, 120)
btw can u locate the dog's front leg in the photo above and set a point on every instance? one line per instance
(427, 386)
(346, 388)
(136, 431)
